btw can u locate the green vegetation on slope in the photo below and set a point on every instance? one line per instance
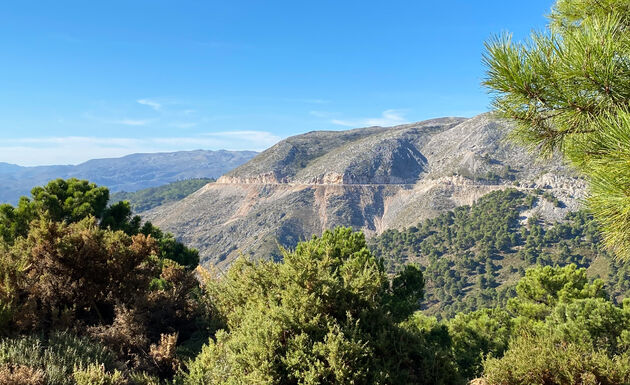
(90, 295)
(148, 198)
(473, 256)
(326, 314)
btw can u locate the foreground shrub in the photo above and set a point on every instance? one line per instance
(477, 334)
(96, 375)
(542, 359)
(76, 273)
(542, 288)
(21, 375)
(56, 360)
(327, 314)
(101, 283)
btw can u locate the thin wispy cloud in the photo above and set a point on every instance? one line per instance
(117, 120)
(167, 113)
(150, 103)
(250, 136)
(387, 118)
(132, 122)
(77, 149)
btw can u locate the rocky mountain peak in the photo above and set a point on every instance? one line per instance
(372, 179)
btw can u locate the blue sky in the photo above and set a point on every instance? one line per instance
(87, 79)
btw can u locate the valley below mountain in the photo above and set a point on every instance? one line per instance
(372, 179)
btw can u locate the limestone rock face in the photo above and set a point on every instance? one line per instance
(372, 179)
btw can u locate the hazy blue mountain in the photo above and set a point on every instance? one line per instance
(9, 168)
(128, 173)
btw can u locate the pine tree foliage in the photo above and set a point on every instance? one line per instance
(568, 90)
(543, 288)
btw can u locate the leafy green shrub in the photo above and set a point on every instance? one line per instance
(478, 334)
(593, 321)
(544, 287)
(69, 261)
(142, 378)
(565, 331)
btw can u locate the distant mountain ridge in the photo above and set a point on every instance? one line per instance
(8, 167)
(373, 179)
(129, 173)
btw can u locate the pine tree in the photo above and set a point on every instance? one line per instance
(568, 90)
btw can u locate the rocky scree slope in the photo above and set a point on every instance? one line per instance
(372, 179)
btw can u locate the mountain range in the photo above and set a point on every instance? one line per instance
(372, 179)
(128, 173)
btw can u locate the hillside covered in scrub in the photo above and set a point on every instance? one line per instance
(493, 250)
